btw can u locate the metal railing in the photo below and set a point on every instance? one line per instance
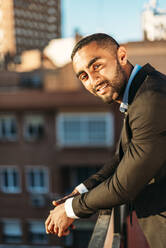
(107, 231)
(114, 230)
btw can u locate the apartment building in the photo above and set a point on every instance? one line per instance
(28, 24)
(50, 141)
(53, 135)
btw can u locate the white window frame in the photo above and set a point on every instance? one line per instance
(16, 230)
(27, 119)
(37, 189)
(8, 135)
(11, 189)
(32, 229)
(108, 116)
(51, 2)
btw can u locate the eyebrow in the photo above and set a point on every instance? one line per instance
(91, 62)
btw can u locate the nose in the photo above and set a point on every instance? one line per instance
(94, 79)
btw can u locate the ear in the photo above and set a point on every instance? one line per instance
(122, 55)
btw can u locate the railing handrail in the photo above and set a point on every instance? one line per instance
(114, 230)
(106, 233)
(113, 237)
(100, 231)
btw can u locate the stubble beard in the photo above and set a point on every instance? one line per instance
(117, 86)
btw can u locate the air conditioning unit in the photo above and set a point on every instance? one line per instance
(38, 200)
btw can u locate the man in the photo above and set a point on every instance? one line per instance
(137, 173)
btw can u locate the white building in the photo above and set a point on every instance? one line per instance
(153, 22)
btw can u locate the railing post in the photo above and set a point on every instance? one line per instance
(114, 230)
(113, 237)
(100, 230)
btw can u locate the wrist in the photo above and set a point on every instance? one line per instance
(69, 209)
(81, 188)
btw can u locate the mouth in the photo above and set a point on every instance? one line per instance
(101, 88)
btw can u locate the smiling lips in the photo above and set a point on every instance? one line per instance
(101, 88)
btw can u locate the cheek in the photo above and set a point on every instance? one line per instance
(89, 88)
(107, 73)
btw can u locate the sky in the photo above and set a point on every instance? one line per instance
(119, 18)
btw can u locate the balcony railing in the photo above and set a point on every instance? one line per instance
(114, 230)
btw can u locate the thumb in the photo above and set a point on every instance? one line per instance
(55, 203)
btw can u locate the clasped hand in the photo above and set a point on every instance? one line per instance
(58, 222)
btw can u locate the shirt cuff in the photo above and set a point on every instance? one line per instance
(69, 209)
(82, 188)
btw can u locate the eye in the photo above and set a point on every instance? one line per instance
(83, 76)
(96, 66)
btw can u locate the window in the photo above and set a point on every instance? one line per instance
(85, 129)
(51, 11)
(51, 27)
(8, 128)
(18, 40)
(37, 232)
(9, 179)
(34, 124)
(51, 2)
(29, 24)
(37, 179)
(11, 231)
(51, 19)
(75, 175)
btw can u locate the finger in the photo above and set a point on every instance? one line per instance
(55, 229)
(52, 229)
(47, 223)
(60, 232)
(55, 203)
(50, 226)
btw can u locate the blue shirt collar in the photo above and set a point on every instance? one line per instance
(124, 104)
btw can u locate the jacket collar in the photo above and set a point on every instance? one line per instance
(138, 80)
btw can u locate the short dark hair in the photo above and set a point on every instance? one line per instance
(100, 38)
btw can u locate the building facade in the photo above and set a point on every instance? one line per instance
(28, 24)
(50, 141)
(148, 52)
(53, 135)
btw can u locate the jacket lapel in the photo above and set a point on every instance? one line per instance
(126, 134)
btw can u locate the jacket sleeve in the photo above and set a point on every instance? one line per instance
(143, 158)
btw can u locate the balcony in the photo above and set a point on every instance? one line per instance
(114, 229)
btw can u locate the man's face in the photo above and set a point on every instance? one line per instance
(100, 72)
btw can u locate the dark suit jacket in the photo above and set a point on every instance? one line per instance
(141, 154)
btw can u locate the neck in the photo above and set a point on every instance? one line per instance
(127, 70)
